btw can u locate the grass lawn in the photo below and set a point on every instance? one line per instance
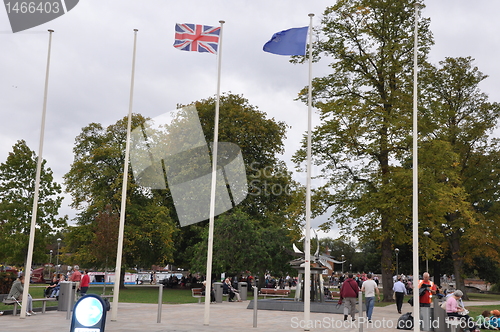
(132, 294)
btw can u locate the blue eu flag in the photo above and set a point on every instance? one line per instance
(288, 42)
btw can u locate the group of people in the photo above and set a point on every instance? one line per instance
(489, 320)
(455, 308)
(17, 289)
(82, 282)
(452, 303)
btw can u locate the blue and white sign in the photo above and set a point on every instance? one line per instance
(89, 314)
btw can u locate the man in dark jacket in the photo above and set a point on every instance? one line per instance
(348, 294)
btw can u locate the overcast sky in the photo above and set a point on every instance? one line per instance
(92, 51)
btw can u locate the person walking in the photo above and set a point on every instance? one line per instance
(348, 294)
(399, 289)
(369, 287)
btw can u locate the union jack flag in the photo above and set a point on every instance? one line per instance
(196, 38)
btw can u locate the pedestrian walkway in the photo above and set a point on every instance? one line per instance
(189, 317)
(235, 316)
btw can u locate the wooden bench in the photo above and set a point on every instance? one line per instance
(196, 292)
(14, 302)
(335, 295)
(274, 292)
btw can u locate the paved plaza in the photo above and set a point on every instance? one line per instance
(224, 316)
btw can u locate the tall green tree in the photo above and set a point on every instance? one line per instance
(95, 182)
(17, 186)
(273, 199)
(457, 119)
(244, 244)
(365, 111)
(151, 226)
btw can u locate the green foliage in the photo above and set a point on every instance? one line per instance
(242, 243)
(95, 182)
(273, 197)
(17, 186)
(365, 109)
(457, 118)
(152, 233)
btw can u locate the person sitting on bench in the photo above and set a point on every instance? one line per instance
(16, 293)
(51, 286)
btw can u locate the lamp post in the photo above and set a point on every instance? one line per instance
(50, 262)
(57, 263)
(397, 263)
(350, 267)
(342, 264)
(426, 233)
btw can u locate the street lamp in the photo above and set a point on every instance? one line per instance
(397, 263)
(57, 263)
(426, 233)
(350, 267)
(342, 264)
(50, 262)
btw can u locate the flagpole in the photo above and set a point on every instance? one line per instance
(416, 300)
(119, 251)
(307, 244)
(208, 286)
(29, 257)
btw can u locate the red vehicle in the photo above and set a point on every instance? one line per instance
(37, 276)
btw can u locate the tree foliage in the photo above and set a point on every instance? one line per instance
(244, 244)
(457, 119)
(95, 182)
(365, 111)
(274, 200)
(152, 232)
(17, 186)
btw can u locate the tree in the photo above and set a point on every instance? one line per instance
(456, 120)
(17, 186)
(243, 244)
(365, 112)
(95, 182)
(151, 227)
(274, 199)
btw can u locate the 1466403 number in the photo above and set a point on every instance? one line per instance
(32, 7)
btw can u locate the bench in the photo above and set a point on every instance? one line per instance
(335, 295)
(274, 292)
(196, 293)
(15, 303)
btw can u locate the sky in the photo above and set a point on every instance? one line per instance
(90, 69)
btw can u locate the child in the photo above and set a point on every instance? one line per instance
(494, 322)
(483, 320)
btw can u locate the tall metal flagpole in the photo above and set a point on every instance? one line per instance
(119, 251)
(416, 300)
(208, 286)
(29, 258)
(307, 244)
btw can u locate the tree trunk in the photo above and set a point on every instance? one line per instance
(387, 270)
(122, 278)
(458, 264)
